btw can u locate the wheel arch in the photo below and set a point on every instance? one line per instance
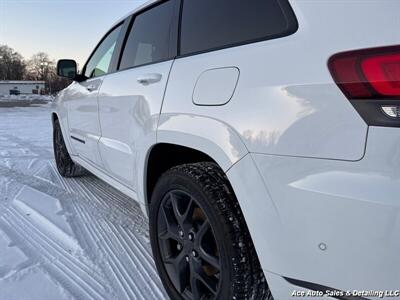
(163, 156)
(188, 138)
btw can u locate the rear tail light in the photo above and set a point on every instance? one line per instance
(370, 79)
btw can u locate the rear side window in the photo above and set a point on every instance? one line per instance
(151, 38)
(215, 24)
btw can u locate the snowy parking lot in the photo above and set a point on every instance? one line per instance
(64, 238)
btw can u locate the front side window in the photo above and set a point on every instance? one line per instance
(215, 24)
(151, 37)
(100, 61)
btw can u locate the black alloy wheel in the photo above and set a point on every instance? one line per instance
(188, 246)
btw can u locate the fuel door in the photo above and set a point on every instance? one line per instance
(216, 86)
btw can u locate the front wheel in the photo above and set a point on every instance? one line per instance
(65, 166)
(200, 241)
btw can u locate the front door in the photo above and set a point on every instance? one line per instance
(83, 117)
(130, 99)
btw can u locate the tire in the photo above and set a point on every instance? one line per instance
(65, 166)
(224, 264)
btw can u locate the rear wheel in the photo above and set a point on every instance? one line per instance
(200, 241)
(65, 166)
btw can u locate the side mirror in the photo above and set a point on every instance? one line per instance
(68, 68)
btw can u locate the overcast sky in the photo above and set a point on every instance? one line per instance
(62, 28)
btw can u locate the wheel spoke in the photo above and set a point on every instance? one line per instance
(184, 219)
(178, 270)
(172, 227)
(194, 287)
(202, 231)
(198, 272)
(188, 214)
(210, 259)
(175, 208)
(168, 235)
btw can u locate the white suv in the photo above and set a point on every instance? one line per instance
(258, 136)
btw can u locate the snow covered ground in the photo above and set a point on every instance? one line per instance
(64, 238)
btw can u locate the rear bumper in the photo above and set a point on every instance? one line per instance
(350, 210)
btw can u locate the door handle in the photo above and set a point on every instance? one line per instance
(149, 78)
(91, 88)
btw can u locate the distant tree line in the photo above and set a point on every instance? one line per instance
(13, 66)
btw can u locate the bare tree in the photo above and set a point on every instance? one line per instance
(12, 65)
(40, 67)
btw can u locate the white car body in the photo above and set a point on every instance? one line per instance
(318, 187)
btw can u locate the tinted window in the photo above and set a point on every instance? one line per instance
(99, 62)
(151, 37)
(213, 24)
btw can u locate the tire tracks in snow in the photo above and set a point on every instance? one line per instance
(130, 273)
(113, 259)
(127, 254)
(62, 265)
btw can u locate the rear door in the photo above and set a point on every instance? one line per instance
(130, 99)
(82, 102)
